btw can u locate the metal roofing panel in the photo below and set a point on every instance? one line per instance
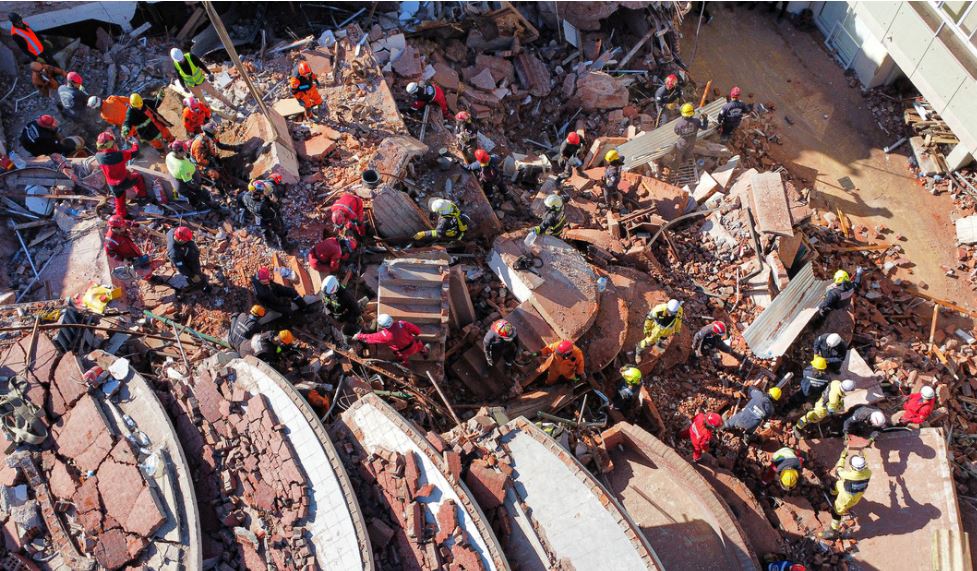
(773, 332)
(656, 144)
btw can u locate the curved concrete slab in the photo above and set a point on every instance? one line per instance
(335, 521)
(684, 519)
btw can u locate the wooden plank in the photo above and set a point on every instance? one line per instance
(769, 204)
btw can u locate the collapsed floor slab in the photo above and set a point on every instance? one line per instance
(772, 333)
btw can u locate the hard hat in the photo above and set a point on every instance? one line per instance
(833, 340)
(857, 462)
(105, 140)
(442, 206)
(251, 185)
(209, 128)
(462, 116)
(673, 306)
(797, 567)
(573, 138)
(94, 102)
(848, 385)
(713, 420)
(719, 328)
(178, 147)
(412, 88)
(338, 217)
(819, 363)
(47, 121)
(504, 329)
(15, 18)
(286, 337)
(553, 201)
(611, 156)
(877, 419)
(775, 393)
(631, 375)
(330, 286)
(564, 348)
(927, 393)
(482, 156)
(275, 178)
(176, 54)
(788, 479)
(259, 187)
(735, 93)
(74, 77)
(258, 310)
(135, 100)
(384, 320)
(264, 274)
(304, 68)
(841, 276)
(183, 234)
(687, 110)
(117, 221)
(671, 80)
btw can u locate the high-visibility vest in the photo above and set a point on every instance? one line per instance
(196, 75)
(34, 45)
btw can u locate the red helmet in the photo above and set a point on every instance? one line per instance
(564, 348)
(735, 93)
(482, 156)
(178, 147)
(117, 221)
(338, 217)
(719, 328)
(504, 329)
(798, 567)
(462, 116)
(47, 121)
(714, 420)
(275, 178)
(304, 68)
(573, 138)
(106, 139)
(183, 234)
(264, 274)
(671, 81)
(74, 78)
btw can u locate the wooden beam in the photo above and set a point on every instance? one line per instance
(936, 317)
(945, 303)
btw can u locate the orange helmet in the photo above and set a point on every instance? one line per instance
(286, 337)
(304, 68)
(482, 156)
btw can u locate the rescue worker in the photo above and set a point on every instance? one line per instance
(119, 178)
(848, 489)
(185, 257)
(73, 101)
(42, 137)
(833, 349)
(195, 114)
(832, 401)
(731, 115)
(183, 170)
(44, 77)
(785, 565)
(451, 225)
(566, 362)
(271, 347)
(663, 321)
(569, 156)
(279, 298)
(554, 219)
(305, 88)
(838, 295)
(466, 134)
(687, 128)
(266, 211)
(700, 432)
(712, 336)
(757, 410)
(26, 39)
(865, 421)
(244, 326)
(489, 171)
(330, 252)
(917, 408)
(143, 121)
(815, 378)
(205, 153)
(500, 341)
(426, 93)
(112, 109)
(612, 175)
(338, 302)
(120, 246)
(785, 467)
(666, 98)
(347, 216)
(628, 391)
(400, 336)
(195, 77)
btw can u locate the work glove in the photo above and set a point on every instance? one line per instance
(419, 236)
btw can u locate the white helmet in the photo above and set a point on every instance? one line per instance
(442, 206)
(833, 340)
(927, 393)
(673, 306)
(857, 462)
(384, 320)
(94, 102)
(330, 286)
(848, 385)
(412, 88)
(877, 419)
(553, 201)
(176, 54)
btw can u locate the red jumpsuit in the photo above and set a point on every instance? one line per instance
(193, 120)
(401, 337)
(916, 410)
(352, 207)
(118, 177)
(700, 435)
(120, 246)
(432, 94)
(326, 255)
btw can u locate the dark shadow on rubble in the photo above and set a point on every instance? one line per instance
(894, 519)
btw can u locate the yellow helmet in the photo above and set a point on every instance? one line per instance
(286, 337)
(611, 156)
(788, 479)
(135, 100)
(819, 363)
(775, 393)
(257, 310)
(841, 276)
(687, 110)
(631, 375)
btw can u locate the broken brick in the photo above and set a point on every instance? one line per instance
(412, 473)
(112, 549)
(452, 461)
(487, 484)
(414, 520)
(447, 520)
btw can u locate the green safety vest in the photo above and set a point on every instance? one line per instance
(196, 75)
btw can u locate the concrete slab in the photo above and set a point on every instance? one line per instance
(967, 229)
(768, 201)
(394, 154)
(868, 387)
(396, 215)
(773, 332)
(605, 338)
(745, 507)
(288, 108)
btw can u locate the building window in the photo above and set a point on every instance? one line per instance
(961, 17)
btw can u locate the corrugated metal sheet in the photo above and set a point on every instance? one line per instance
(775, 330)
(656, 144)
